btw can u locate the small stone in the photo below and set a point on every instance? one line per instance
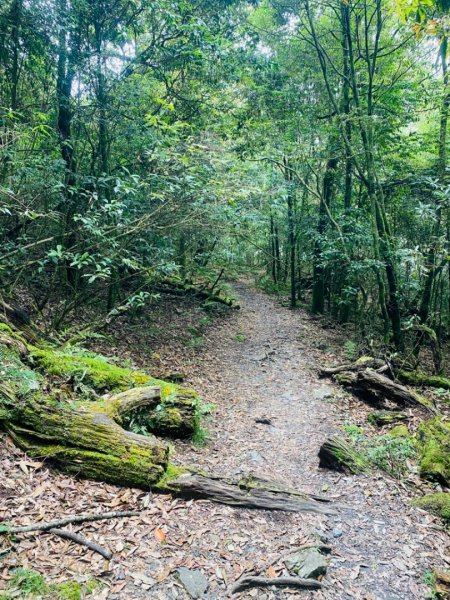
(320, 535)
(323, 392)
(337, 533)
(307, 563)
(256, 457)
(194, 582)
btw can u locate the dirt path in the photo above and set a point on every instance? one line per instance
(382, 546)
(260, 361)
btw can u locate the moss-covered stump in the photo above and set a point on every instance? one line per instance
(174, 414)
(338, 455)
(433, 442)
(438, 504)
(75, 439)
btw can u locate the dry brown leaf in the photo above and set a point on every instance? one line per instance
(271, 572)
(160, 535)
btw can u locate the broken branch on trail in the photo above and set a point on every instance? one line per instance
(365, 362)
(251, 581)
(74, 519)
(79, 539)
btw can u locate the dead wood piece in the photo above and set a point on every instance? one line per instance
(181, 288)
(134, 399)
(364, 362)
(251, 581)
(376, 388)
(263, 420)
(68, 520)
(386, 417)
(337, 454)
(78, 539)
(249, 493)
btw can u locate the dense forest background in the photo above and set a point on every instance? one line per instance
(145, 144)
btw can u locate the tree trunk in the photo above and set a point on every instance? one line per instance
(318, 293)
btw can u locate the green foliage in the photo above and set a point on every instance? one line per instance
(438, 504)
(388, 452)
(31, 584)
(28, 582)
(350, 350)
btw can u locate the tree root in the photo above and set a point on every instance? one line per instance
(251, 581)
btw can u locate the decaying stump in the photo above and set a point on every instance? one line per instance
(337, 454)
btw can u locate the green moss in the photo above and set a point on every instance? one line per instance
(438, 504)
(399, 431)
(26, 583)
(433, 442)
(70, 590)
(420, 378)
(172, 473)
(175, 415)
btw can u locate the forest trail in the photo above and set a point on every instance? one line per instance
(381, 547)
(258, 362)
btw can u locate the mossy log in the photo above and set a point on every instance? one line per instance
(85, 439)
(86, 443)
(337, 454)
(376, 388)
(179, 287)
(249, 492)
(438, 504)
(420, 378)
(386, 417)
(174, 414)
(364, 362)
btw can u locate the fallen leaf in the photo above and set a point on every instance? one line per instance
(271, 572)
(160, 535)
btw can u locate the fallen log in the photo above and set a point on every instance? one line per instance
(376, 388)
(246, 493)
(173, 414)
(251, 581)
(337, 454)
(364, 362)
(144, 406)
(86, 439)
(179, 287)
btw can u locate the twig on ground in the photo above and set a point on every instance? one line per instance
(78, 539)
(68, 520)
